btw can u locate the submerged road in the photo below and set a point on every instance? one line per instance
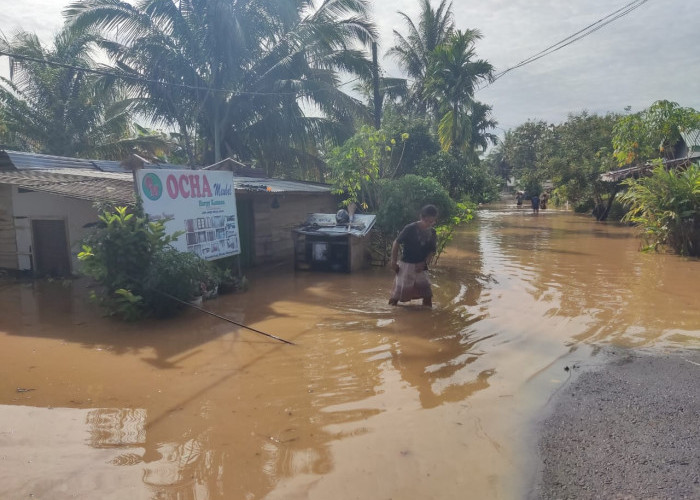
(373, 402)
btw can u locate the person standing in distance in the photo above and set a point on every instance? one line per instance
(419, 242)
(535, 200)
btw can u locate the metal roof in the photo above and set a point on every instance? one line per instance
(73, 183)
(691, 139)
(104, 180)
(623, 173)
(326, 225)
(278, 185)
(17, 160)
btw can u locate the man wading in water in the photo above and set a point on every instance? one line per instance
(419, 242)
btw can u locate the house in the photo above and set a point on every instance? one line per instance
(685, 152)
(47, 205)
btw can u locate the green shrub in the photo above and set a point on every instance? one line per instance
(666, 206)
(402, 199)
(617, 211)
(178, 274)
(139, 272)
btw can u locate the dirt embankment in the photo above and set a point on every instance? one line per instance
(628, 430)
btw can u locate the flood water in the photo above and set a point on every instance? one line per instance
(374, 401)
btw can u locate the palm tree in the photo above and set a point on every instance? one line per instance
(453, 75)
(481, 122)
(244, 69)
(413, 52)
(62, 109)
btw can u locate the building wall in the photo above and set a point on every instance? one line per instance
(36, 205)
(273, 226)
(8, 242)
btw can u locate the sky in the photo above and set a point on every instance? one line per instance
(650, 54)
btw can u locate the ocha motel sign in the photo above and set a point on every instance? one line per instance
(200, 203)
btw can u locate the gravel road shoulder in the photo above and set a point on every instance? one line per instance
(629, 429)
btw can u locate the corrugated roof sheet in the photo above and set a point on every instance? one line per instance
(83, 185)
(278, 185)
(103, 180)
(624, 173)
(692, 139)
(11, 160)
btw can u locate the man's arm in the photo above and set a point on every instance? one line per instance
(394, 256)
(429, 259)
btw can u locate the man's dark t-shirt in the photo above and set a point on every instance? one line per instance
(417, 244)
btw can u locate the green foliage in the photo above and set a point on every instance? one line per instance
(421, 141)
(131, 258)
(180, 274)
(525, 150)
(414, 50)
(402, 199)
(453, 74)
(572, 155)
(361, 161)
(666, 206)
(63, 110)
(269, 57)
(617, 211)
(652, 133)
(460, 177)
(464, 212)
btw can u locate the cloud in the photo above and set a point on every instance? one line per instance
(649, 54)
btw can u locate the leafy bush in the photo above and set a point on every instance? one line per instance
(131, 258)
(402, 199)
(460, 177)
(364, 159)
(617, 211)
(178, 274)
(666, 206)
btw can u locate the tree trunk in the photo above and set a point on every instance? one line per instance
(188, 144)
(375, 83)
(603, 215)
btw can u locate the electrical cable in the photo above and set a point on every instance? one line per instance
(582, 33)
(140, 79)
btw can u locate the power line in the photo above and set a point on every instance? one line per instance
(588, 30)
(140, 79)
(582, 33)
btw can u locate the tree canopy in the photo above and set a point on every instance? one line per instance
(66, 110)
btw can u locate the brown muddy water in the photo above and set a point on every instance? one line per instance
(374, 402)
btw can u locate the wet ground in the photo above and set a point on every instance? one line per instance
(374, 402)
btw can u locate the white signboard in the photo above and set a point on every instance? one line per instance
(199, 202)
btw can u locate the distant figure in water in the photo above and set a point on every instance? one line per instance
(419, 241)
(543, 200)
(535, 204)
(519, 199)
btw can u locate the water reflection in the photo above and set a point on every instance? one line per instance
(195, 408)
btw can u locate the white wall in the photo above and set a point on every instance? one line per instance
(36, 205)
